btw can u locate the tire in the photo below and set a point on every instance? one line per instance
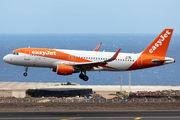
(85, 78)
(25, 74)
(81, 76)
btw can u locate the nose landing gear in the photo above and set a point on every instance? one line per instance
(83, 76)
(26, 69)
(25, 74)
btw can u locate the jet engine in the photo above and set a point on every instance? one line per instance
(64, 70)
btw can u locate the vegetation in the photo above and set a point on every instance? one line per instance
(28, 97)
(120, 94)
(68, 83)
(30, 92)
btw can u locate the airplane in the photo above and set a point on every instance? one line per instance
(66, 62)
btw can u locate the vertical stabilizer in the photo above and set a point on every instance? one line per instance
(160, 45)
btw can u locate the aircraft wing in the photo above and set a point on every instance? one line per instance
(96, 63)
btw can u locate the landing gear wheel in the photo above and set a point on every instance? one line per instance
(25, 74)
(85, 78)
(26, 69)
(81, 76)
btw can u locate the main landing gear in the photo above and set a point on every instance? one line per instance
(26, 69)
(83, 76)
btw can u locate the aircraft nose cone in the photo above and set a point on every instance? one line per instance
(5, 58)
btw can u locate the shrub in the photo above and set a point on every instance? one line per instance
(30, 92)
(68, 83)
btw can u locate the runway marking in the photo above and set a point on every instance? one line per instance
(71, 118)
(137, 118)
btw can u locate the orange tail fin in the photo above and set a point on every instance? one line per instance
(160, 45)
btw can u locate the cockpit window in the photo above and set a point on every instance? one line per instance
(15, 53)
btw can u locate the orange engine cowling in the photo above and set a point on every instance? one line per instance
(64, 70)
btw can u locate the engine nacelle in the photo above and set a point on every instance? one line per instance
(64, 70)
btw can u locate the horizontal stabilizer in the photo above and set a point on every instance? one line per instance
(155, 61)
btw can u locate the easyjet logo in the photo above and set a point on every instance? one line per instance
(159, 42)
(43, 52)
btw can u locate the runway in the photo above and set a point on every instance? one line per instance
(92, 115)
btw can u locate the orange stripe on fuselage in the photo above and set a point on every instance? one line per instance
(51, 53)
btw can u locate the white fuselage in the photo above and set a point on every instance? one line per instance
(122, 62)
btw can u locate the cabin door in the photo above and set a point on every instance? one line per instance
(27, 55)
